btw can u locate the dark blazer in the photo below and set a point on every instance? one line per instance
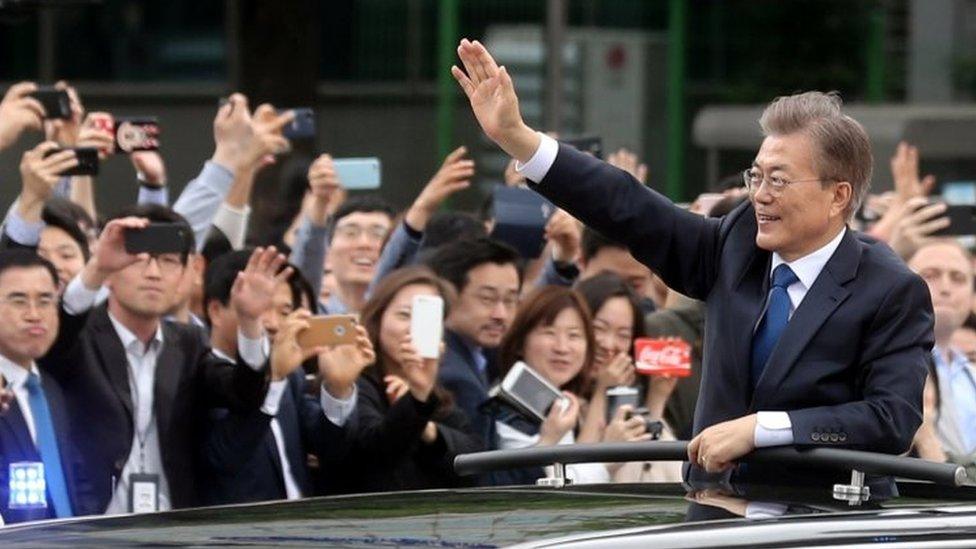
(385, 451)
(849, 368)
(459, 374)
(241, 456)
(16, 445)
(90, 363)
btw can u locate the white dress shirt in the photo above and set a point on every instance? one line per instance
(144, 454)
(16, 377)
(772, 428)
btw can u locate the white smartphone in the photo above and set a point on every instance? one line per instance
(358, 173)
(427, 324)
(530, 391)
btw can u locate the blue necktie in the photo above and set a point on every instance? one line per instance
(47, 444)
(773, 324)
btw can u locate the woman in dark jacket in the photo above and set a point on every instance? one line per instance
(408, 430)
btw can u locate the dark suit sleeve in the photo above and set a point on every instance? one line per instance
(454, 437)
(232, 437)
(384, 435)
(322, 437)
(57, 359)
(891, 380)
(238, 387)
(679, 246)
(468, 397)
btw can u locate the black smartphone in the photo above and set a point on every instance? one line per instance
(962, 220)
(302, 126)
(156, 238)
(55, 102)
(87, 160)
(134, 134)
(592, 145)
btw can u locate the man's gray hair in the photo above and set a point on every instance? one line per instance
(844, 148)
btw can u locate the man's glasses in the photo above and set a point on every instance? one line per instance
(352, 231)
(753, 179)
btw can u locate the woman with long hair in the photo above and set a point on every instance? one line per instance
(408, 429)
(617, 323)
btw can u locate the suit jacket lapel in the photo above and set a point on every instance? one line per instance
(14, 422)
(112, 358)
(819, 303)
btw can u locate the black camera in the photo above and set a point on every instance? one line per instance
(654, 427)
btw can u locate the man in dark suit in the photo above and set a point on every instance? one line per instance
(261, 455)
(34, 428)
(138, 386)
(486, 276)
(816, 335)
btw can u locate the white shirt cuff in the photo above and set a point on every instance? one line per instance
(254, 352)
(77, 297)
(537, 167)
(762, 509)
(773, 429)
(273, 398)
(233, 223)
(338, 410)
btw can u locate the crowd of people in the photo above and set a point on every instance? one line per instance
(147, 382)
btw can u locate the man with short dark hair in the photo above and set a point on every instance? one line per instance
(261, 455)
(137, 386)
(35, 428)
(486, 276)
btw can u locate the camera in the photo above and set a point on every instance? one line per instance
(654, 427)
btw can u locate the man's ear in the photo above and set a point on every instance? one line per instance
(843, 196)
(199, 265)
(214, 308)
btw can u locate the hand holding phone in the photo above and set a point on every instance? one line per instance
(56, 102)
(302, 126)
(87, 160)
(156, 238)
(529, 392)
(328, 331)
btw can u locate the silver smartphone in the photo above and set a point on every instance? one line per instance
(357, 174)
(528, 390)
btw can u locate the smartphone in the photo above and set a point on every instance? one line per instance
(427, 325)
(328, 331)
(55, 102)
(590, 144)
(134, 134)
(962, 220)
(357, 174)
(87, 160)
(157, 238)
(302, 126)
(527, 390)
(959, 192)
(619, 396)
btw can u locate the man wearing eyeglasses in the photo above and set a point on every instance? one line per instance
(137, 386)
(34, 428)
(815, 335)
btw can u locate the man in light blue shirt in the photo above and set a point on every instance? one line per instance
(947, 269)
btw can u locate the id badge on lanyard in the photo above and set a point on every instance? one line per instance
(143, 487)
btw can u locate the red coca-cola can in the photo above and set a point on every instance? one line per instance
(662, 356)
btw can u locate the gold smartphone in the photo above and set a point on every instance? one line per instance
(328, 331)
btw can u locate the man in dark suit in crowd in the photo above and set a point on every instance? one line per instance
(138, 386)
(816, 335)
(486, 276)
(261, 455)
(34, 427)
